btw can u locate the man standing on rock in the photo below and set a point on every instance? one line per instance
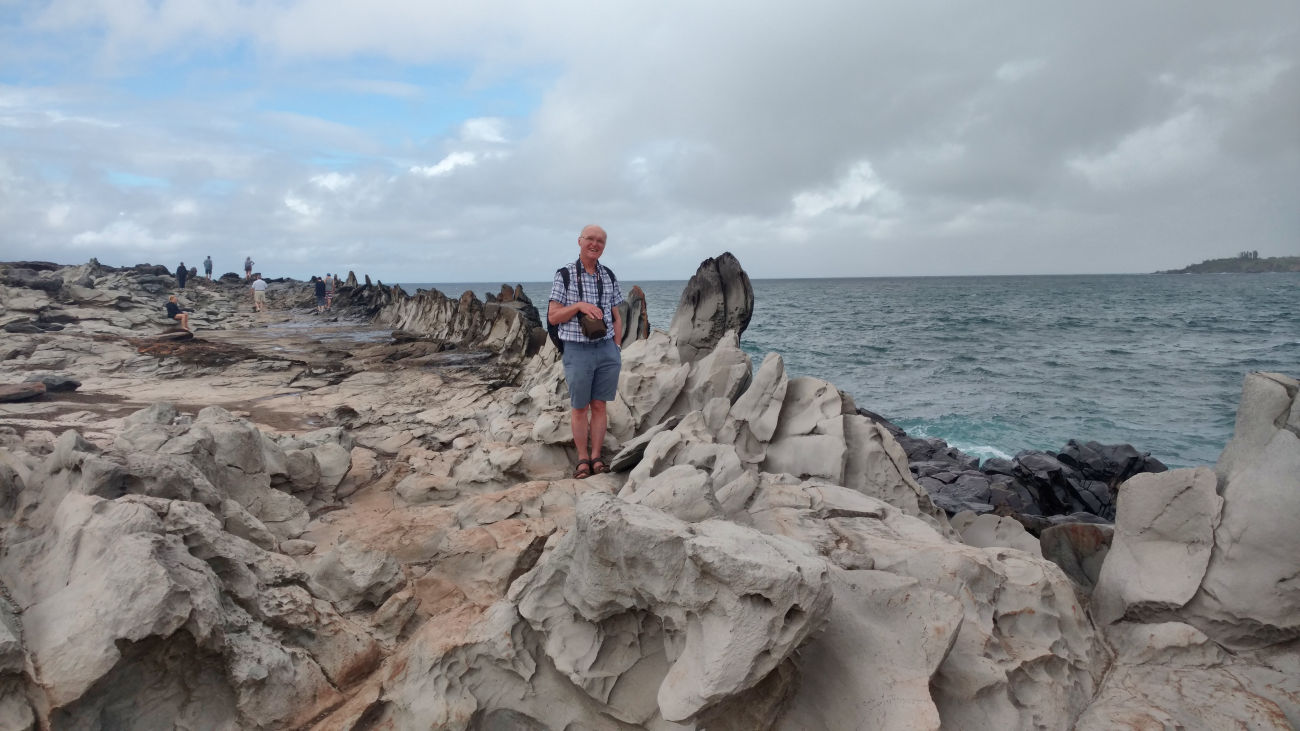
(259, 294)
(181, 273)
(583, 306)
(207, 267)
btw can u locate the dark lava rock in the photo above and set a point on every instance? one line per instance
(21, 391)
(1109, 463)
(31, 327)
(1081, 479)
(56, 316)
(31, 279)
(406, 336)
(967, 491)
(55, 382)
(37, 266)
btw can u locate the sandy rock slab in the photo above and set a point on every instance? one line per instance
(600, 630)
(1170, 675)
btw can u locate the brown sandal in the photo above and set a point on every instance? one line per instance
(583, 471)
(602, 469)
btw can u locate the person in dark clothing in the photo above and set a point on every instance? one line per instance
(175, 312)
(181, 274)
(320, 293)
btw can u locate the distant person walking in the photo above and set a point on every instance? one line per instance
(207, 268)
(175, 312)
(320, 293)
(330, 281)
(259, 294)
(181, 274)
(248, 268)
(583, 306)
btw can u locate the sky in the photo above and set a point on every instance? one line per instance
(433, 141)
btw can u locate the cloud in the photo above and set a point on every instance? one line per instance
(447, 164)
(1178, 146)
(670, 246)
(826, 138)
(128, 235)
(858, 186)
(483, 129)
(333, 182)
(301, 206)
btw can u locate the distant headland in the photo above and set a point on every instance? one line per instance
(1247, 262)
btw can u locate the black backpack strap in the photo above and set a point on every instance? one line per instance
(600, 284)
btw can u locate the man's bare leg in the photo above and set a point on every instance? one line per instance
(578, 420)
(599, 422)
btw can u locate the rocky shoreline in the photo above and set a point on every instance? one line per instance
(363, 519)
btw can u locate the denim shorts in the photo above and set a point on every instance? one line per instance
(591, 370)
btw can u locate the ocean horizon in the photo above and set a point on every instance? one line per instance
(998, 364)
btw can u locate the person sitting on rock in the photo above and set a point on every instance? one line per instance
(175, 312)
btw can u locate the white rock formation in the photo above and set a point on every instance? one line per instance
(1251, 592)
(994, 531)
(767, 560)
(1164, 533)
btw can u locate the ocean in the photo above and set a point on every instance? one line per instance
(996, 365)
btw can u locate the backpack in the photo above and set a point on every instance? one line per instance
(554, 330)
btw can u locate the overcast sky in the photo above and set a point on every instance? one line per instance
(423, 141)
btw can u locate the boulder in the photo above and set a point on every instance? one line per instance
(1161, 546)
(1250, 596)
(351, 576)
(737, 605)
(1079, 549)
(55, 382)
(1170, 675)
(992, 531)
(907, 630)
(636, 319)
(718, 298)
(21, 391)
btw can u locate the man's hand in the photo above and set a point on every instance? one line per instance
(589, 309)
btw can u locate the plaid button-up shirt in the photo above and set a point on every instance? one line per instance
(571, 331)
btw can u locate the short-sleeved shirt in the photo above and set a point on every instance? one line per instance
(259, 285)
(571, 331)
